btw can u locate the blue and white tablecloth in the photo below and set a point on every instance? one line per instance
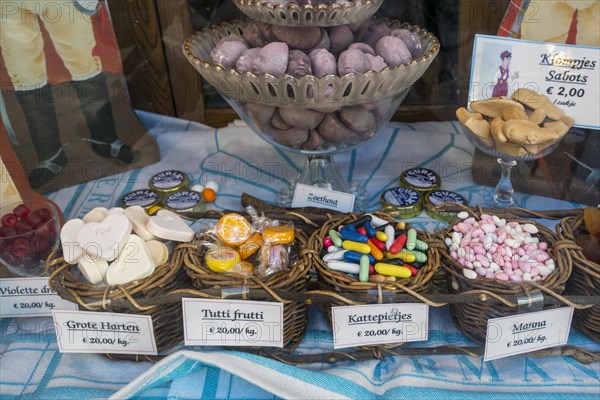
(32, 367)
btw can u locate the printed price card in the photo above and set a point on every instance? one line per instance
(379, 324)
(567, 74)
(232, 323)
(524, 333)
(312, 196)
(30, 297)
(100, 332)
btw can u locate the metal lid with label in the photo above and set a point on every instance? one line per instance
(144, 198)
(169, 181)
(185, 201)
(420, 179)
(438, 197)
(402, 202)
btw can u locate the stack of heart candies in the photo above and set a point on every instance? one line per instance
(375, 250)
(118, 246)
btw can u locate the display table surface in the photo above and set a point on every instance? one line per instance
(32, 367)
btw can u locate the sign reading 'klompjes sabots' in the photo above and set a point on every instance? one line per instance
(569, 75)
(232, 323)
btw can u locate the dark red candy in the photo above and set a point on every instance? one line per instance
(9, 220)
(44, 213)
(23, 228)
(9, 231)
(38, 244)
(34, 220)
(22, 211)
(46, 231)
(20, 247)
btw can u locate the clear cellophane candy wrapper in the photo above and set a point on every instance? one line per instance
(259, 247)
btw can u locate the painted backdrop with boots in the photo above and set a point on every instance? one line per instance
(64, 103)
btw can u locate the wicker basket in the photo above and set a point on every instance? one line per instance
(293, 280)
(472, 318)
(339, 283)
(66, 280)
(584, 280)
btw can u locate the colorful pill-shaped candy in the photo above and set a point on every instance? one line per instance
(389, 232)
(370, 229)
(420, 257)
(363, 272)
(390, 278)
(381, 236)
(333, 249)
(380, 228)
(371, 269)
(354, 257)
(378, 243)
(398, 244)
(335, 256)
(327, 242)
(343, 266)
(375, 252)
(335, 237)
(421, 245)
(353, 236)
(376, 278)
(361, 221)
(400, 226)
(413, 270)
(376, 221)
(411, 239)
(354, 246)
(362, 231)
(395, 261)
(348, 228)
(418, 264)
(392, 270)
(404, 255)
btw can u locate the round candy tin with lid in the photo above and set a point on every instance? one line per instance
(402, 202)
(169, 181)
(438, 197)
(185, 201)
(422, 180)
(144, 198)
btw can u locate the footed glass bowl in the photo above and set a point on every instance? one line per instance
(300, 13)
(318, 117)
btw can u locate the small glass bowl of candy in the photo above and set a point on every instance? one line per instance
(29, 231)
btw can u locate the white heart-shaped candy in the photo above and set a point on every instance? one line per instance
(135, 262)
(95, 215)
(68, 236)
(170, 226)
(139, 218)
(105, 239)
(92, 269)
(159, 251)
(115, 210)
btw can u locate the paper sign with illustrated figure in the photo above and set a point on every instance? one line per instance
(64, 104)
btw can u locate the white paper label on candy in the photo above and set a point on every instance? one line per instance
(232, 323)
(30, 297)
(134, 262)
(312, 196)
(68, 236)
(105, 239)
(568, 75)
(99, 332)
(170, 226)
(379, 323)
(528, 332)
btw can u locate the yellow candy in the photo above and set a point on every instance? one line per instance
(404, 256)
(278, 234)
(251, 246)
(221, 259)
(393, 270)
(358, 247)
(381, 236)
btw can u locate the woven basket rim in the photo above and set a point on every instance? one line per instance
(339, 281)
(555, 279)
